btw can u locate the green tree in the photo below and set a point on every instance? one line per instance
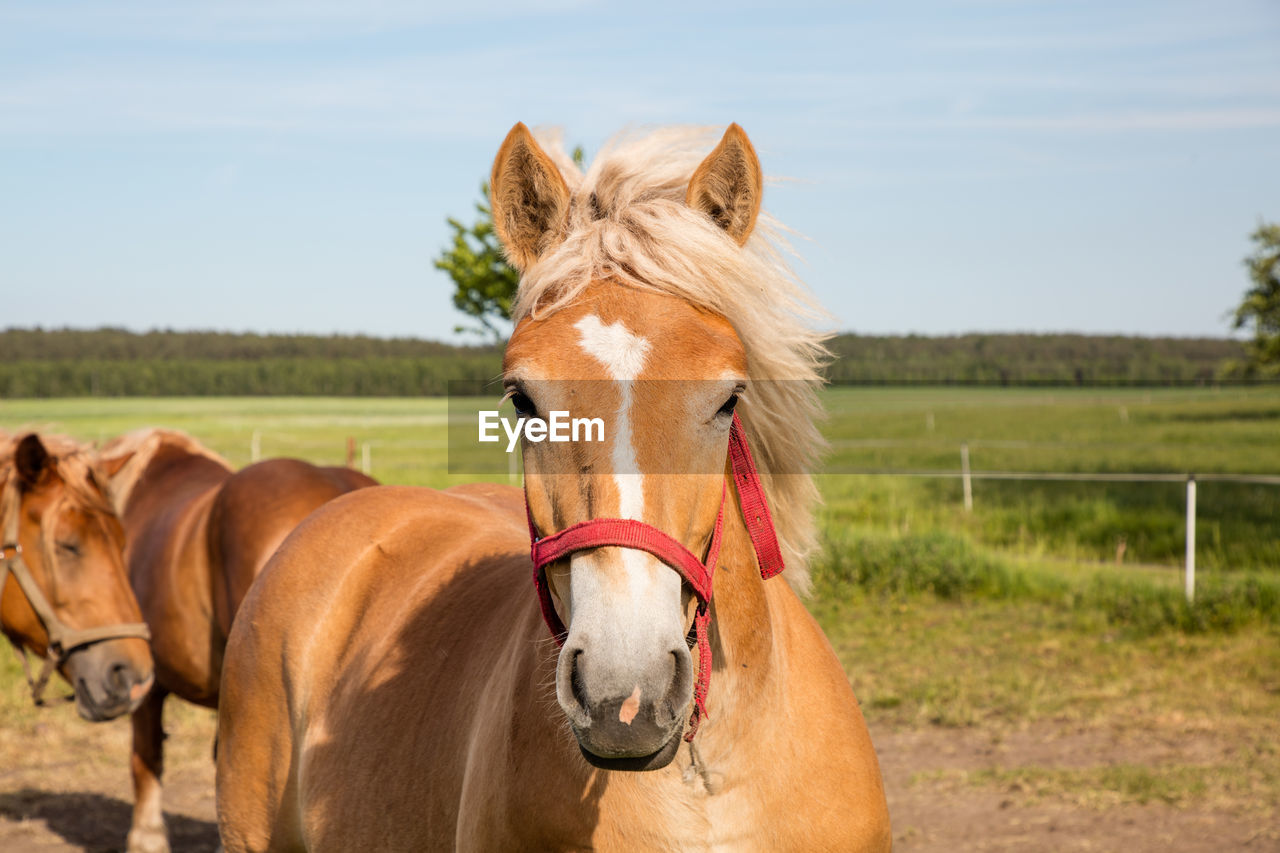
(484, 283)
(1261, 306)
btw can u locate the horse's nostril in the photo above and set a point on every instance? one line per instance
(119, 678)
(575, 681)
(571, 689)
(680, 684)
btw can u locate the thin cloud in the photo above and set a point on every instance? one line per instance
(255, 21)
(1119, 122)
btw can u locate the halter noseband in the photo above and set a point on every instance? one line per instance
(630, 533)
(63, 640)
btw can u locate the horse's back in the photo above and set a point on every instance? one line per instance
(254, 511)
(349, 640)
(347, 479)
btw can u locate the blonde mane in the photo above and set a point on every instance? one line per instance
(628, 222)
(139, 448)
(76, 466)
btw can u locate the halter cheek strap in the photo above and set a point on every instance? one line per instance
(630, 533)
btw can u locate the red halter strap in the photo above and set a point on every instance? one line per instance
(629, 533)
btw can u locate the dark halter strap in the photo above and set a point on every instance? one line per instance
(63, 640)
(630, 533)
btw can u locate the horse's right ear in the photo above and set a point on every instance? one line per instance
(116, 477)
(530, 199)
(30, 459)
(110, 467)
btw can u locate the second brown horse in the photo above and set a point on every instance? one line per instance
(198, 534)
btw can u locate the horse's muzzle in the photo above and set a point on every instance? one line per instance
(637, 731)
(106, 685)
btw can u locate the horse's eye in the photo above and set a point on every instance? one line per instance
(727, 408)
(524, 406)
(71, 549)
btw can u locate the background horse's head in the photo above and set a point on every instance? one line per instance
(622, 315)
(54, 507)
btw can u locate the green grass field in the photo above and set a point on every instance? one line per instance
(1214, 430)
(1064, 430)
(1115, 547)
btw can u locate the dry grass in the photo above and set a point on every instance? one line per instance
(52, 747)
(1066, 707)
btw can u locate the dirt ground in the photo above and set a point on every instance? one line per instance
(934, 808)
(49, 801)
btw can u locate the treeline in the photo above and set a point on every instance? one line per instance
(116, 362)
(1022, 359)
(111, 344)
(112, 362)
(275, 377)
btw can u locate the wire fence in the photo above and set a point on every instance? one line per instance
(965, 474)
(361, 455)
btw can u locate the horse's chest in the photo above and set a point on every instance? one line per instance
(684, 816)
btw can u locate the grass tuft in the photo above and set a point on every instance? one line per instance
(952, 568)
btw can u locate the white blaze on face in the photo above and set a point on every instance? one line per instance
(637, 611)
(623, 355)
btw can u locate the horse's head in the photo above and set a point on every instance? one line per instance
(664, 376)
(66, 594)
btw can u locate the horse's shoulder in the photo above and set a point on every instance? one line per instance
(836, 759)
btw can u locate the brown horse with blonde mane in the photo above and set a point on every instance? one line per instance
(64, 594)
(198, 534)
(391, 684)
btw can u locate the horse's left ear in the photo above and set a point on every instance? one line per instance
(30, 459)
(530, 199)
(728, 185)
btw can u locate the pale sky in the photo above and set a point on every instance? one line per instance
(954, 166)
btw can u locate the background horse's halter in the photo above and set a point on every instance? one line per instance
(629, 533)
(63, 641)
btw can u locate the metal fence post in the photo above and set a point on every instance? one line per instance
(1191, 538)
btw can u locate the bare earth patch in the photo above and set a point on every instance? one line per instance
(1015, 725)
(953, 789)
(943, 794)
(64, 783)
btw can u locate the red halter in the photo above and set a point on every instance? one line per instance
(629, 533)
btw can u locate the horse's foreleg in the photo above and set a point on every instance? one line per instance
(147, 833)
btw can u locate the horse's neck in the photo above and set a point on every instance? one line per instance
(179, 474)
(744, 637)
(168, 490)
